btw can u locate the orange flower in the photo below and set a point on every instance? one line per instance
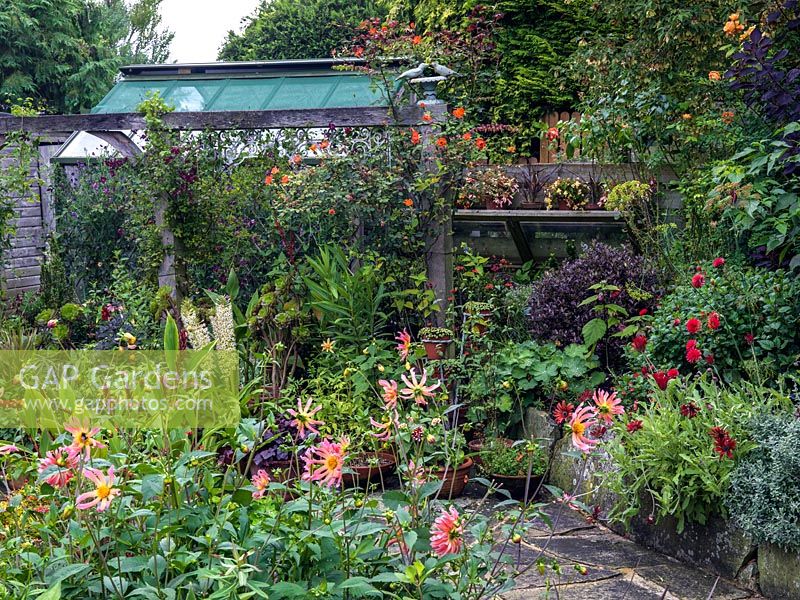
(414, 136)
(480, 143)
(466, 137)
(714, 75)
(746, 34)
(459, 112)
(511, 149)
(427, 117)
(408, 202)
(733, 26)
(416, 40)
(297, 159)
(275, 170)
(324, 144)
(285, 179)
(313, 147)
(442, 142)
(268, 180)
(331, 211)
(727, 116)
(686, 116)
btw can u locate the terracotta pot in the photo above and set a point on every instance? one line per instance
(515, 485)
(453, 480)
(363, 475)
(484, 315)
(562, 205)
(436, 349)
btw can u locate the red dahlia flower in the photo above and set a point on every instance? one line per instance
(718, 262)
(713, 321)
(693, 355)
(639, 343)
(693, 325)
(699, 280)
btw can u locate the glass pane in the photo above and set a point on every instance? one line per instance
(355, 91)
(193, 96)
(127, 95)
(302, 92)
(244, 94)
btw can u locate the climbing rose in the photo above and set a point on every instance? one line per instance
(713, 321)
(447, 533)
(693, 325)
(552, 134)
(718, 262)
(698, 280)
(639, 343)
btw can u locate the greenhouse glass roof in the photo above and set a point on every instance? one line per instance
(272, 85)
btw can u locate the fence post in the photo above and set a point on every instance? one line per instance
(439, 232)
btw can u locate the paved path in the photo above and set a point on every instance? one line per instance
(615, 568)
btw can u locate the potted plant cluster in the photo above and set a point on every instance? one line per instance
(517, 467)
(490, 187)
(366, 468)
(567, 194)
(478, 316)
(436, 340)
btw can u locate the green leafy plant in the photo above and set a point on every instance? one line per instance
(435, 334)
(516, 459)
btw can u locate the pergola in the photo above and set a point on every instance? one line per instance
(245, 96)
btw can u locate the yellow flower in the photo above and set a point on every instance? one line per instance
(327, 345)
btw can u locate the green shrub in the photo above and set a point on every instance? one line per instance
(758, 311)
(764, 499)
(666, 461)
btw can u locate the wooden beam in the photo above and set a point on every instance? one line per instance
(540, 216)
(223, 120)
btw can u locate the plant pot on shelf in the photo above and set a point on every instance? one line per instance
(453, 480)
(563, 205)
(493, 204)
(516, 485)
(369, 467)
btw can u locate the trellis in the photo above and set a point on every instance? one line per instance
(108, 127)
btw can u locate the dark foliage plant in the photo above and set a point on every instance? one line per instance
(556, 313)
(764, 498)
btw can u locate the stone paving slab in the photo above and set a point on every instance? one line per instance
(616, 568)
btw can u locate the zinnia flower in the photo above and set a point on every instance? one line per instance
(607, 405)
(260, 481)
(698, 280)
(416, 389)
(713, 321)
(324, 462)
(304, 417)
(459, 112)
(582, 419)
(102, 494)
(639, 343)
(389, 393)
(83, 437)
(447, 533)
(718, 262)
(693, 325)
(404, 347)
(563, 412)
(61, 463)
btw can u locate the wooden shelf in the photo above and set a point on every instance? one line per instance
(514, 218)
(533, 216)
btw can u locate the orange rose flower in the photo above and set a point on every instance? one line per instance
(324, 144)
(459, 112)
